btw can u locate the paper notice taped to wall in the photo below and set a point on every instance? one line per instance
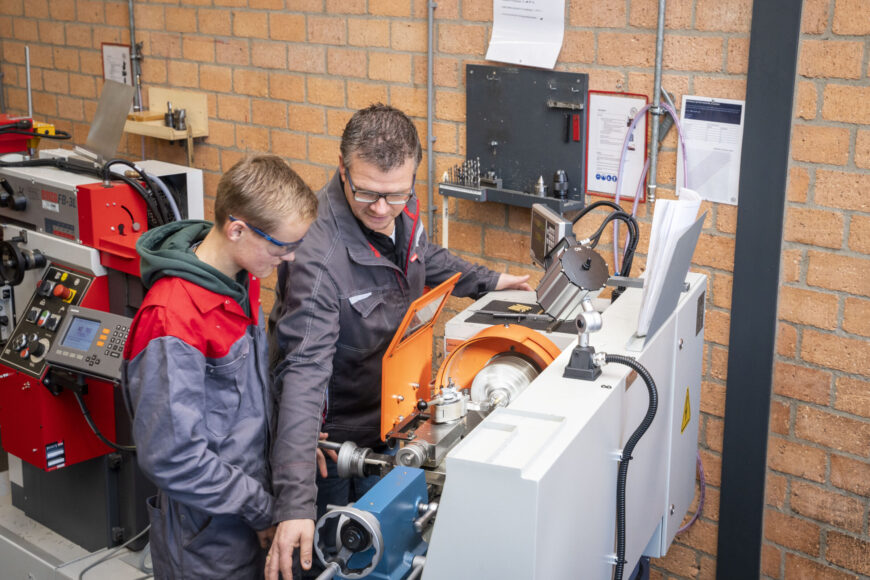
(527, 32)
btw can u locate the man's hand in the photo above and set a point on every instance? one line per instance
(511, 282)
(265, 537)
(321, 458)
(291, 534)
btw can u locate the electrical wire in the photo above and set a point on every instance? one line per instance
(633, 232)
(631, 246)
(159, 214)
(702, 483)
(673, 113)
(114, 551)
(155, 184)
(58, 134)
(93, 426)
(627, 451)
(25, 127)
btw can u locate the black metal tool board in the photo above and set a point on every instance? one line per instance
(527, 123)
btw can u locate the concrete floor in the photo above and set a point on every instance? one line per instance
(30, 551)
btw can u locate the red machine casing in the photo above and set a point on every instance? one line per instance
(111, 219)
(33, 418)
(11, 142)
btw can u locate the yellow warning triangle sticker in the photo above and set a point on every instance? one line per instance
(687, 412)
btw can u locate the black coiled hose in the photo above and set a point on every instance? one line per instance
(626, 452)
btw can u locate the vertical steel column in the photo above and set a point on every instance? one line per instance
(136, 64)
(430, 98)
(656, 109)
(773, 52)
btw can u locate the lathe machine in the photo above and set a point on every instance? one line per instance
(512, 462)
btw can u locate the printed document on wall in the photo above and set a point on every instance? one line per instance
(527, 32)
(713, 138)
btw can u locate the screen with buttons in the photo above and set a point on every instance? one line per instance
(92, 343)
(81, 333)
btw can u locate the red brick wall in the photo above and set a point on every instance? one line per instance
(285, 75)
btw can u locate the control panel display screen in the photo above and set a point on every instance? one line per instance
(81, 333)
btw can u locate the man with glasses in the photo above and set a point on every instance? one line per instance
(365, 259)
(195, 369)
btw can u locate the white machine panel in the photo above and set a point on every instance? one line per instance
(531, 492)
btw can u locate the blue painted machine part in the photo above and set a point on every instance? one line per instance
(393, 501)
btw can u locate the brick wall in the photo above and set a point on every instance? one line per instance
(285, 75)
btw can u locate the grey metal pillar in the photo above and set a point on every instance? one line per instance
(773, 53)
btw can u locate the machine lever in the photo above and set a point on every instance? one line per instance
(428, 510)
(331, 570)
(418, 562)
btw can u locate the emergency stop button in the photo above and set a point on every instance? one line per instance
(64, 293)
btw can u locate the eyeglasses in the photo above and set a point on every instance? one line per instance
(366, 196)
(286, 247)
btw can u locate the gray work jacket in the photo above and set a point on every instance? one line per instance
(195, 371)
(338, 306)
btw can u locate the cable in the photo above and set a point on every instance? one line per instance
(702, 483)
(634, 235)
(114, 551)
(58, 134)
(673, 113)
(592, 206)
(154, 180)
(90, 420)
(627, 450)
(633, 232)
(86, 168)
(151, 181)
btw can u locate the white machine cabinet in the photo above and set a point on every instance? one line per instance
(531, 492)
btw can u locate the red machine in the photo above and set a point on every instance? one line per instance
(68, 248)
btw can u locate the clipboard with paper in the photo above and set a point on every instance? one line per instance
(673, 238)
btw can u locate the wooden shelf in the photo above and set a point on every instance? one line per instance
(158, 130)
(196, 106)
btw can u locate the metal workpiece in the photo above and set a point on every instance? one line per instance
(540, 187)
(450, 405)
(504, 377)
(355, 461)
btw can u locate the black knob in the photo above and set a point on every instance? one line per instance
(19, 342)
(422, 405)
(354, 537)
(37, 349)
(18, 203)
(6, 193)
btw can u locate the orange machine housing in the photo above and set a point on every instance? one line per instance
(407, 365)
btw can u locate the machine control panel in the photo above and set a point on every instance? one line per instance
(58, 290)
(91, 342)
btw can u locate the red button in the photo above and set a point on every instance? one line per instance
(62, 292)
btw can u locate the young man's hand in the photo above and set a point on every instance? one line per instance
(321, 456)
(265, 537)
(291, 535)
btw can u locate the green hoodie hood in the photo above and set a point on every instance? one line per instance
(168, 251)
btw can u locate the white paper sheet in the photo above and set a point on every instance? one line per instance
(527, 32)
(609, 118)
(713, 132)
(671, 218)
